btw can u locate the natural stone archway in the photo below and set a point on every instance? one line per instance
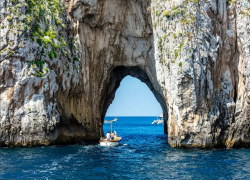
(117, 76)
(114, 44)
(60, 67)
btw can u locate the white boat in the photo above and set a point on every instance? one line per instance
(114, 142)
(154, 121)
(114, 139)
(159, 120)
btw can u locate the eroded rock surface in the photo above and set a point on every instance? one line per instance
(62, 61)
(202, 52)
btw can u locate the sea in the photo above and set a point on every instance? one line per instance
(143, 153)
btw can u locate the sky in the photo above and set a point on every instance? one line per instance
(134, 98)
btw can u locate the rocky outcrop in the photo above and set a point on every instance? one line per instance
(199, 48)
(239, 131)
(61, 63)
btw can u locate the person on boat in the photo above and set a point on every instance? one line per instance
(112, 136)
(108, 136)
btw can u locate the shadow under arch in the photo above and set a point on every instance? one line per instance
(117, 75)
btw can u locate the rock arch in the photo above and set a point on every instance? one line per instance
(59, 73)
(116, 77)
(114, 44)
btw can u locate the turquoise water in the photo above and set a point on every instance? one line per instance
(143, 154)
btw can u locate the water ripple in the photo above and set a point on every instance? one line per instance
(143, 154)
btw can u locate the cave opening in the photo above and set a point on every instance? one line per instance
(133, 99)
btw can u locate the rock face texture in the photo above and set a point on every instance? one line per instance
(62, 61)
(202, 49)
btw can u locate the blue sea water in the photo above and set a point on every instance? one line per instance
(143, 154)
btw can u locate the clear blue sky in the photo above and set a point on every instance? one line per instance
(134, 98)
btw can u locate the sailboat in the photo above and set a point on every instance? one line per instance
(111, 139)
(159, 120)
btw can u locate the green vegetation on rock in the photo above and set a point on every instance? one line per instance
(175, 25)
(43, 22)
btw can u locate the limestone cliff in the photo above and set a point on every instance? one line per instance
(62, 61)
(202, 49)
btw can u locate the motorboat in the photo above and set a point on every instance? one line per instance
(111, 139)
(159, 120)
(106, 142)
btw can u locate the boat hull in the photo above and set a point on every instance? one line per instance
(105, 142)
(109, 143)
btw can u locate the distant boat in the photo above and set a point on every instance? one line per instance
(111, 139)
(159, 120)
